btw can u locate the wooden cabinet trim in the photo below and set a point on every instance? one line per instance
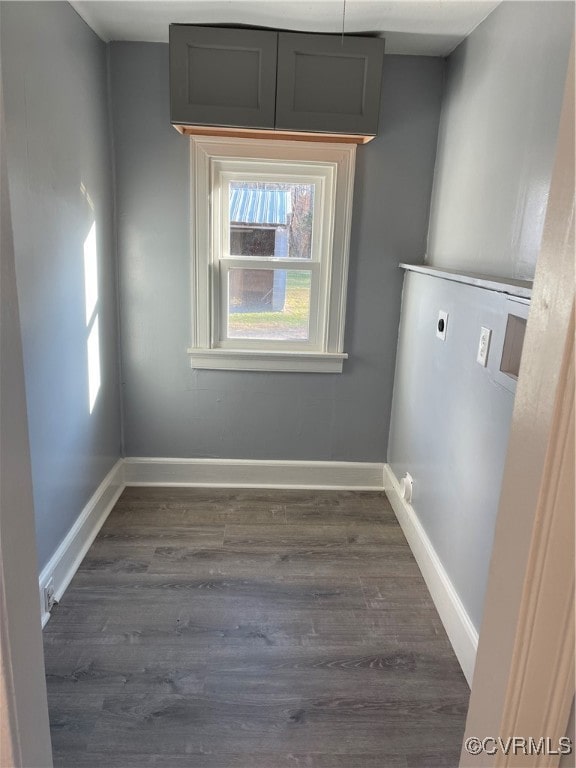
(253, 133)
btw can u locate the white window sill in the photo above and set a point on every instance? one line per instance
(260, 360)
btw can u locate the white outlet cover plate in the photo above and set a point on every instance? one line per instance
(407, 487)
(442, 333)
(483, 346)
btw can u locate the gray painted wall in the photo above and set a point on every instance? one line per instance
(450, 417)
(55, 89)
(173, 411)
(497, 139)
(450, 424)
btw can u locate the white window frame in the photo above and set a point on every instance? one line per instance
(218, 160)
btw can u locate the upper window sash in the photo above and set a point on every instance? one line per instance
(322, 179)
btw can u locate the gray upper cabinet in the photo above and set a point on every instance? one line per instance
(329, 84)
(221, 76)
(248, 78)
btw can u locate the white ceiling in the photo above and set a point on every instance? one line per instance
(432, 28)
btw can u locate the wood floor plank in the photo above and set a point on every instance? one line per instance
(274, 496)
(142, 534)
(294, 558)
(344, 515)
(179, 724)
(231, 628)
(236, 595)
(244, 512)
(213, 626)
(83, 665)
(315, 536)
(227, 760)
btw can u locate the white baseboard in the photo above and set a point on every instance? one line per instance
(461, 632)
(240, 473)
(65, 561)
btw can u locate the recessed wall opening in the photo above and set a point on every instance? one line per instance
(513, 343)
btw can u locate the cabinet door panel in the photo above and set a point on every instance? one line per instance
(222, 76)
(326, 83)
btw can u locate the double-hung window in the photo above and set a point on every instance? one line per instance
(270, 237)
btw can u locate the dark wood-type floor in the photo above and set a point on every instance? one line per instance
(251, 629)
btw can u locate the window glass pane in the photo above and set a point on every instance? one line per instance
(271, 219)
(269, 304)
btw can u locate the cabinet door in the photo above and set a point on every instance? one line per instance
(222, 76)
(326, 83)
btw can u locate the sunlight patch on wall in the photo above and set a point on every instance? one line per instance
(93, 363)
(90, 273)
(92, 320)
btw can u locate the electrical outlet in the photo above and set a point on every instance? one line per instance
(407, 487)
(441, 325)
(483, 346)
(49, 597)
